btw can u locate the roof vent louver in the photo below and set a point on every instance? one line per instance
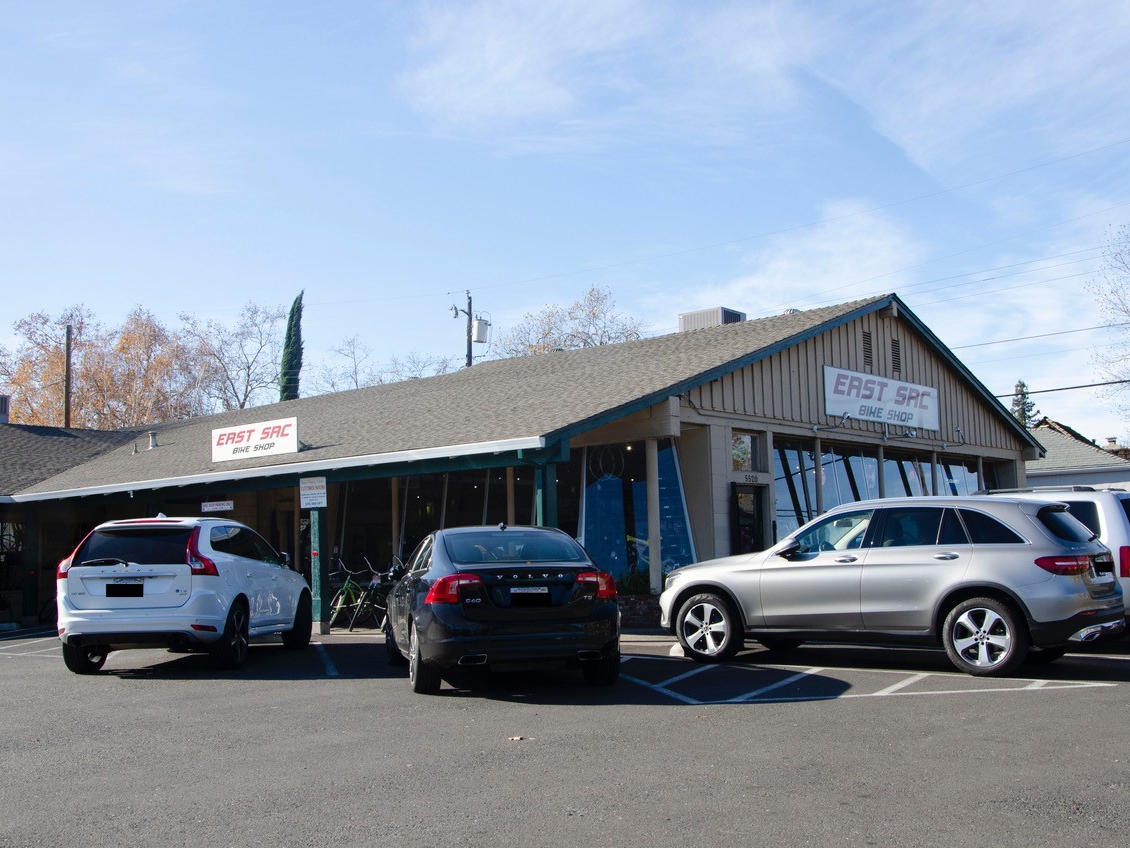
(5, 406)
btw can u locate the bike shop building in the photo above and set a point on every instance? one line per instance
(654, 453)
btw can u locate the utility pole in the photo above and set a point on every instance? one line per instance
(67, 380)
(455, 310)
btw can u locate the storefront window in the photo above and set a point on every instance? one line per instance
(906, 475)
(615, 524)
(849, 474)
(794, 477)
(959, 478)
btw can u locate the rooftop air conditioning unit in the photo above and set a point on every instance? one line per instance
(709, 318)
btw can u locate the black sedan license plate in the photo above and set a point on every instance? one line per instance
(529, 596)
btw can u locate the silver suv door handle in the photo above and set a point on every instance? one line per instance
(946, 556)
(848, 558)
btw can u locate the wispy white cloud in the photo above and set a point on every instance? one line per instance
(612, 71)
(948, 80)
(849, 256)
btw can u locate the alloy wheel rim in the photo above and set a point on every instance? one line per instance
(704, 628)
(239, 637)
(981, 637)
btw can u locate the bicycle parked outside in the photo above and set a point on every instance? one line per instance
(345, 601)
(358, 602)
(373, 604)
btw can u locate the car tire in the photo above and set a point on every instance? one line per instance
(602, 672)
(87, 659)
(298, 637)
(779, 643)
(1043, 656)
(708, 628)
(392, 650)
(230, 651)
(425, 679)
(985, 637)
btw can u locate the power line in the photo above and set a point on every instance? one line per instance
(1040, 336)
(1066, 388)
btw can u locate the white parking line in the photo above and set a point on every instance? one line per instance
(26, 643)
(698, 670)
(902, 684)
(670, 693)
(749, 696)
(899, 689)
(327, 663)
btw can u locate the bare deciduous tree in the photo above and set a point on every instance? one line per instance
(1112, 291)
(239, 364)
(591, 321)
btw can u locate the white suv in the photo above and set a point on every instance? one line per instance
(1105, 511)
(187, 584)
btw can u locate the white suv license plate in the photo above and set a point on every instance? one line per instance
(126, 587)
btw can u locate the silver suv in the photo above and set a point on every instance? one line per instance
(991, 580)
(188, 584)
(1105, 510)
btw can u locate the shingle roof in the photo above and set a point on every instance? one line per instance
(30, 454)
(527, 401)
(1067, 450)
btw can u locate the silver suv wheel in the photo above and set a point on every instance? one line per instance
(708, 629)
(984, 636)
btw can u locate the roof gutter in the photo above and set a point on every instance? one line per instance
(445, 452)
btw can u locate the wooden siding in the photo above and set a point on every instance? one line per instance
(789, 386)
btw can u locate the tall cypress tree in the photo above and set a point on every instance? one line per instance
(1023, 407)
(291, 364)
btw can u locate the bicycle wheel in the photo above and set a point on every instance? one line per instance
(362, 612)
(341, 610)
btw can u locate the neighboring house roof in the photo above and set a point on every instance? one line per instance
(31, 454)
(521, 404)
(1068, 451)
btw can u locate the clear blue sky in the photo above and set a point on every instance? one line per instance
(386, 156)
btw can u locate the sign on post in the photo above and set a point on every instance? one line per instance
(312, 493)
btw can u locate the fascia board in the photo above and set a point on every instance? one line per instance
(443, 452)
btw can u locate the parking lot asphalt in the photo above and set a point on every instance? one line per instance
(826, 745)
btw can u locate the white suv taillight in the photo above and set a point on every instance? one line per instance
(1124, 561)
(200, 564)
(63, 567)
(65, 564)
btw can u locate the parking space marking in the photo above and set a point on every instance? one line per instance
(903, 687)
(23, 648)
(902, 684)
(788, 681)
(697, 670)
(327, 663)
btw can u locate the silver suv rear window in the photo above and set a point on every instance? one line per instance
(1063, 525)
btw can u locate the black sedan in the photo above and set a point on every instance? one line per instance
(502, 597)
